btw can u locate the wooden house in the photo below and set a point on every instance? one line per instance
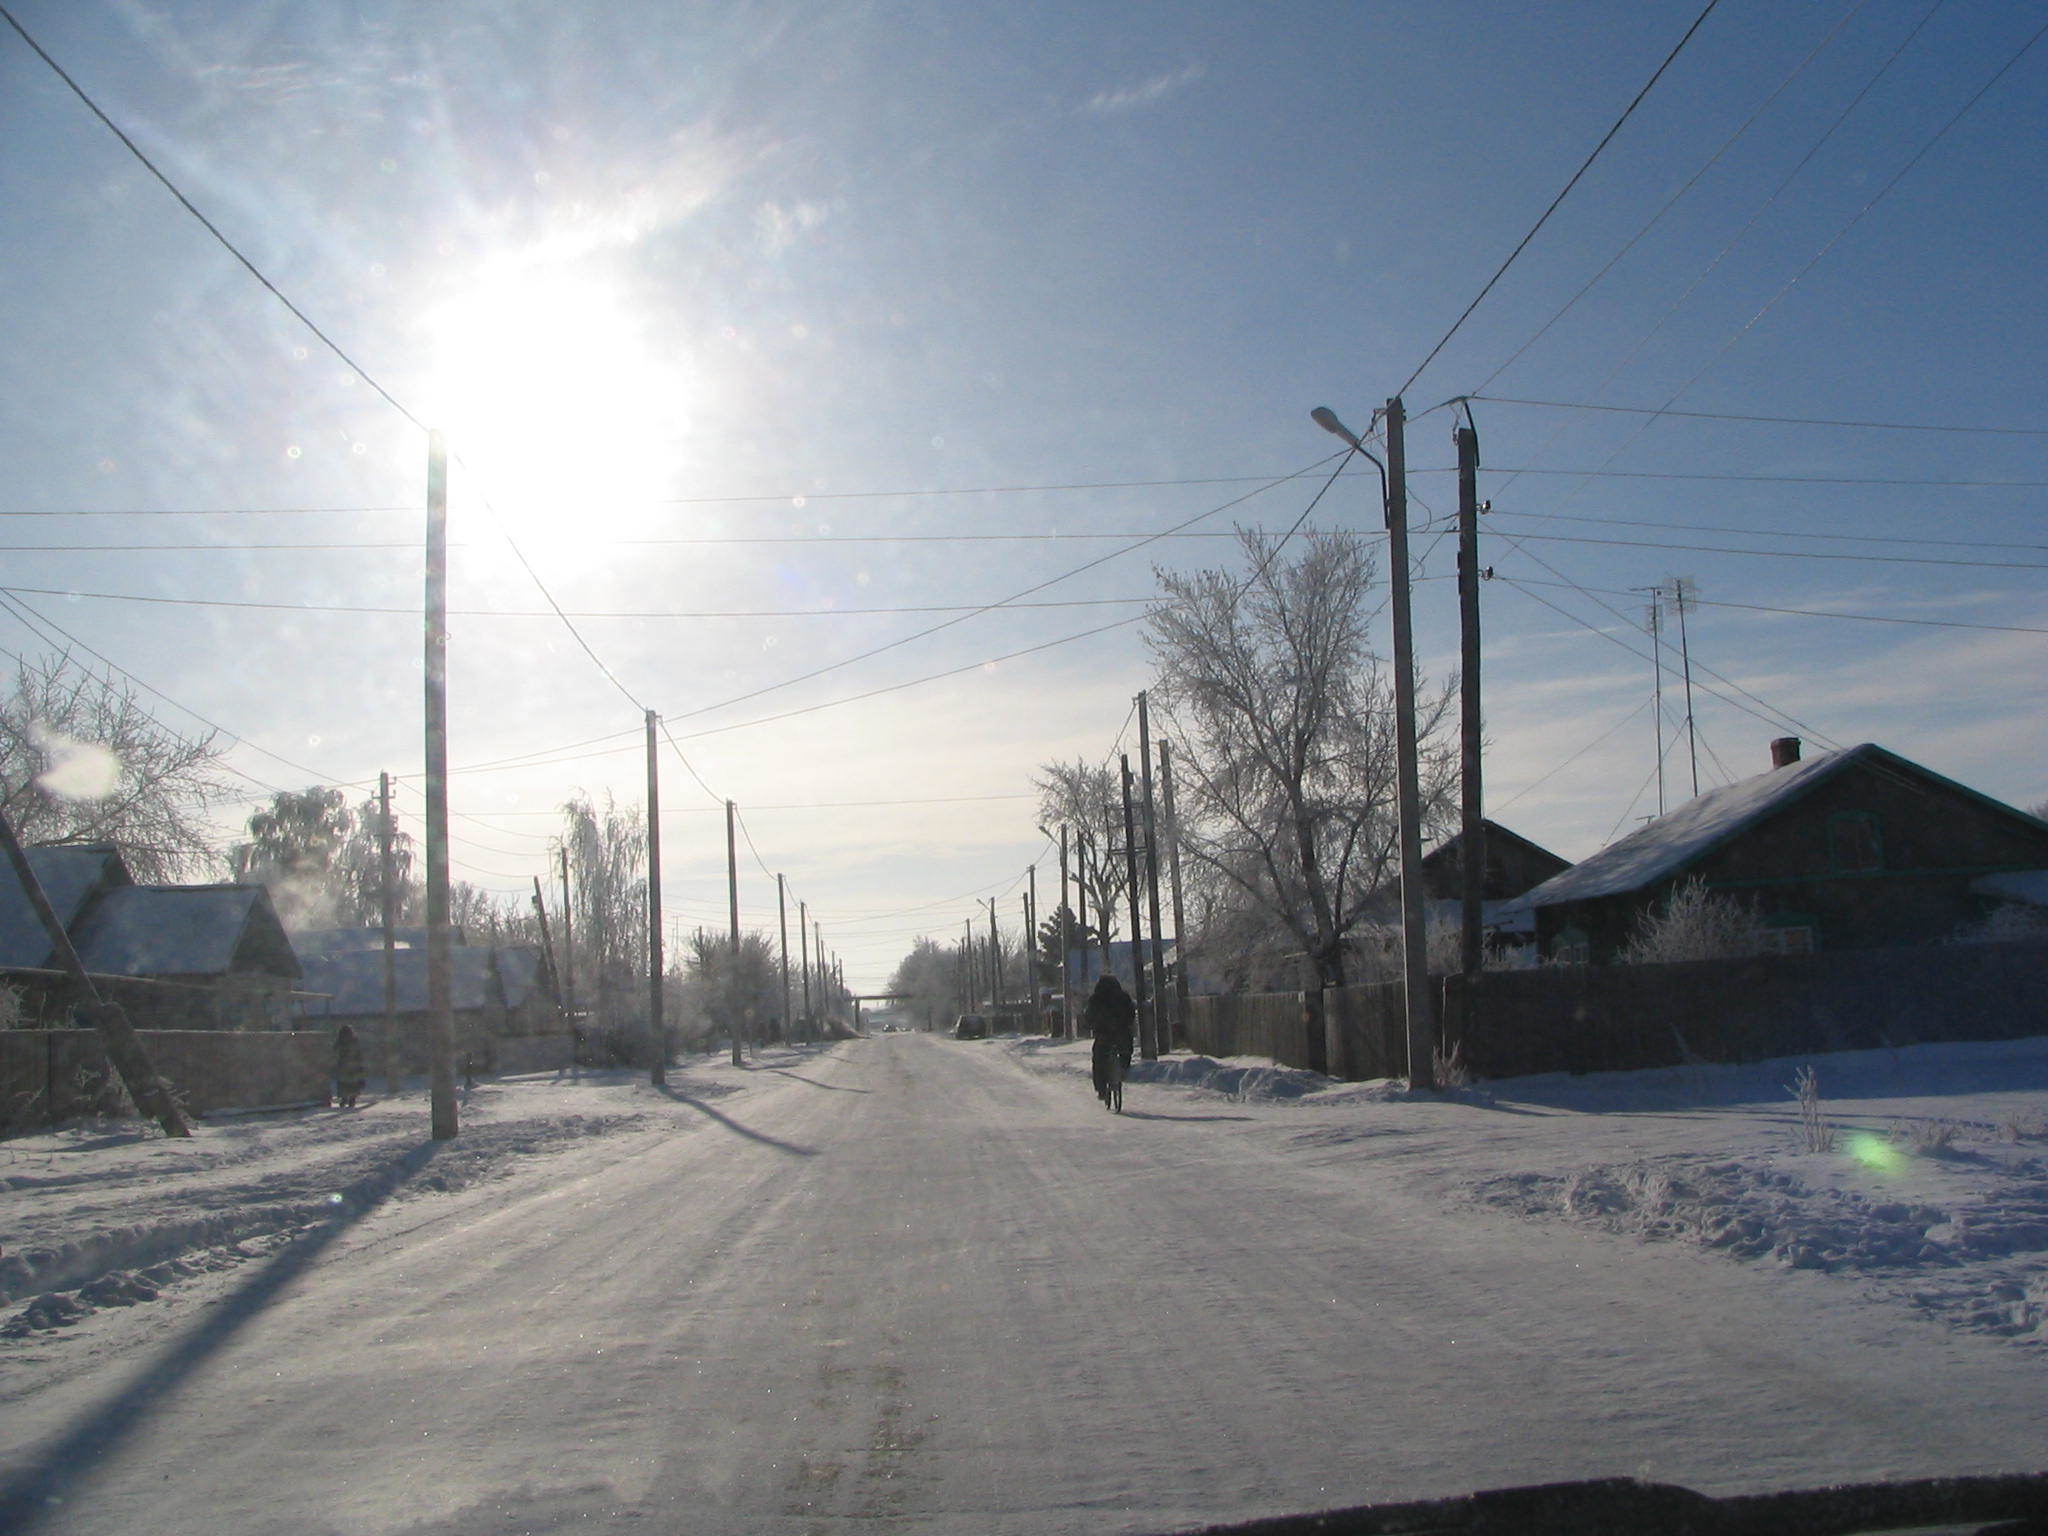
(1855, 849)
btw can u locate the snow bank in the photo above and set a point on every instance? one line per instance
(97, 1219)
(1242, 1079)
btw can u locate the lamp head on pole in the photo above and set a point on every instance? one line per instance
(1326, 418)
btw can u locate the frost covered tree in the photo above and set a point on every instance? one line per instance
(81, 761)
(1088, 798)
(716, 990)
(294, 847)
(1692, 923)
(607, 852)
(1283, 725)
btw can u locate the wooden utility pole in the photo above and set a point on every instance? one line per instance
(995, 960)
(124, 1048)
(657, 1029)
(1148, 1015)
(1066, 946)
(1031, 948)
(967, 988)
(568, 945)
(547, 938)
(1081, 878)
(440, 1014)
(803, 944)
(732, 888)
(387, 904)
(1162, 1014)
(824, 1003)
(782, 919)
(1472, 826)
(1180, 930)
(1415, 982)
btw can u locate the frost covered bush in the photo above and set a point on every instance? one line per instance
(1692, 923)
(1815, 1133)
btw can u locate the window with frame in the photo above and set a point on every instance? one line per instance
(1854, 843)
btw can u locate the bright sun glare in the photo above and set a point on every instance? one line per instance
(553, 397)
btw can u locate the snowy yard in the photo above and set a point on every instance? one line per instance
(1932, 1196)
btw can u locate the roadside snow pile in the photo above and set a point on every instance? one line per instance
(1239, 1080)
(141, 1213)
(1244, 1079)
(1963, 1234)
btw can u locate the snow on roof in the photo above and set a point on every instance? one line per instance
(353, 980)
(181, 930)
(1671, 842)
(68, 875)
(2028, 885)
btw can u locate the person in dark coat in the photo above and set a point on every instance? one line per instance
(1112, 1018)
(348, 1067)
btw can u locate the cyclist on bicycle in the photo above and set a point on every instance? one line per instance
(1112, 1018)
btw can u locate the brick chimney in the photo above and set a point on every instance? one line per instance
(1784, 751)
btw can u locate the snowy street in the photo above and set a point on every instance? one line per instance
(933, 1285)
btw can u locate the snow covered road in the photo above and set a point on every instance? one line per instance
(903, 1281)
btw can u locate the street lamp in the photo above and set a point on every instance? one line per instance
(1414, 930)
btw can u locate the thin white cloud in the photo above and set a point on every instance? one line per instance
(1128, 98)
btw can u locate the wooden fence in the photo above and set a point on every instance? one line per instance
(1619, 1017)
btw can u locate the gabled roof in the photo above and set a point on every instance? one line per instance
(1495, 833)
(184, 930)
(353, 980)
(1668, 845)
(69, 875)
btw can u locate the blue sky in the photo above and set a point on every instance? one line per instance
(639, 258)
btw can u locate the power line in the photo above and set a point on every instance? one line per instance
(1003, 602)
(1605, 139)
(211, 228)
(1750, 416)
(1775, 533)
(1665, 474)
(1517, 539)
(1817, 613)
(1675, 198)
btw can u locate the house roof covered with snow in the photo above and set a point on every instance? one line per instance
(353, 980)
(69, 876)
(1671, 843)
(184, 930)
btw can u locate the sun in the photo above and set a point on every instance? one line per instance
(558, 397)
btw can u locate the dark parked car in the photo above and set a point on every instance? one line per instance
(970, 1026)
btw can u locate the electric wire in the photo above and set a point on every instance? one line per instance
(1544, 218)
(1748, 416)
(1673, 201)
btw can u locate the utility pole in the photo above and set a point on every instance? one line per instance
(387, 904)
(440, 1015)
(568, 945)
(967, 965)
(782, 918)
(1180, 931)
(1682, 599)
(1162, 1016)
(1031, 948)
(657, 1031)
(1472, 827)
(540, 912)
(824, 999)
(803, 944)
(125, 1050)
(1080, 881)
(1148, 1016)
(1414, 932)
(1657, 684)
(732, 889)
(995, 960)
(1066, 946)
